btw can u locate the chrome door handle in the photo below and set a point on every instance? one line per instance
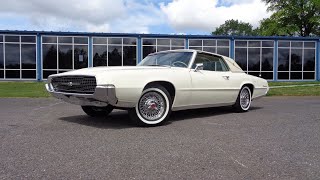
(226, 77)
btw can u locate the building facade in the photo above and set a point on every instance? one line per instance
(34, 55)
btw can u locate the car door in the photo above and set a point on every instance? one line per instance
(214, 83)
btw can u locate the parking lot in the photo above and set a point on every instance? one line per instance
(46, 138)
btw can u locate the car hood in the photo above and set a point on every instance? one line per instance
(93, 71)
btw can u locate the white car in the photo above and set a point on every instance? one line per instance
(162, 82)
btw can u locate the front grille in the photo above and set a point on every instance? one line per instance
(74, 84)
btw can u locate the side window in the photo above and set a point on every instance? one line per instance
(210, 62)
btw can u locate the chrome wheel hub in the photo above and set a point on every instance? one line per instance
(152, 106)
(245, 98)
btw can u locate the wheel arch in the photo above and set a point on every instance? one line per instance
(166, 84)
(250, 85)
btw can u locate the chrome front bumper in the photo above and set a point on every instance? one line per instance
(102, 96)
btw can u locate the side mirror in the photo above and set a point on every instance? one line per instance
(199, 66)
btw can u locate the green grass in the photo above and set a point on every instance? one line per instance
(23, 89)
(37, 89)
(294, 91)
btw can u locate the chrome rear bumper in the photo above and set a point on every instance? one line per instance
(102, 96)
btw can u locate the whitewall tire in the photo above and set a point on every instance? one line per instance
(153, 107)
(244, 100)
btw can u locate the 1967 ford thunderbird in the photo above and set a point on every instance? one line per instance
(162, 82)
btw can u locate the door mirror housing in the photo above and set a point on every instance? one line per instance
(199, 66)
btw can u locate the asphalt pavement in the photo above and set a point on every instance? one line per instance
(44, 138)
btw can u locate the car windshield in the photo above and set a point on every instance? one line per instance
(172, 59)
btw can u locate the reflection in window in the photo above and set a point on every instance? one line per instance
(129, 56)
(254, 59)
(12, 56)
(65, 57)
(28, 56)
(148, 50)
(49, 52)
(115, 58)
(1, 56)
(283, 59)
(296, 59)
(241, 57)
(80, 56)
(309, 60)
(267, 59)
(100, 55)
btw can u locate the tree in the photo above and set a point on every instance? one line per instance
(292, 17)
(234, 27)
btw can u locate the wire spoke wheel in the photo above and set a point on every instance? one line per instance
(245, 98)
(152, 106)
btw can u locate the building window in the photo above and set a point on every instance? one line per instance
(18, 57)
(296, 60)
(219, 46)
(151, 45)
(255, 57)
(114, 51)
(62, 54)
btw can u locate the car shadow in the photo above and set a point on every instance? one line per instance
(121, 119)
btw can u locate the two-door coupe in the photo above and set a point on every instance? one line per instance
(162, 82)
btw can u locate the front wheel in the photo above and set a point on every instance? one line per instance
(153, 107)
(244, 100)
(94, 111)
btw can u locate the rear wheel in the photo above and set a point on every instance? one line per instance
(244, 100)
(95, 111)
(153, 107)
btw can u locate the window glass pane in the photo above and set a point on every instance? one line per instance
(196, 48)
(149, 41)
(296, 44)
(267, 44)
(12, 38)
(65, 39)
(309, 59)
(267, 59)
(28, 56)
(65, 57)
(222, 42)
(240, 43)
(1, 74)
(130, 41)
(80, 40)
(29, 74)
(163, 48)
(1, 56)
(308, 75)
(309, 44)
(12, 56)
(49, 39)
(267, 75)
(296, 59)
(195, 42)
(254, 44)
(283, 75)
(209, 42)
(28, 39)
(176, 47)
(254, 59)
(163, 42)
(209, 49)
(255, 74)
(99, 40)
(210, 62)
(115, 40)
(1, 38)
(223, 51)
(80, 56)
(114, 55)
(48, 73)
(147, 50)
(129, 55)
(100, 55)
(49, 52)
(295, 75)
(241, 57)
(177, 42)
(284, 44)
(283, 59)
(14, 74)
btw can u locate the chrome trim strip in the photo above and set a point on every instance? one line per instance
(200, 106)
